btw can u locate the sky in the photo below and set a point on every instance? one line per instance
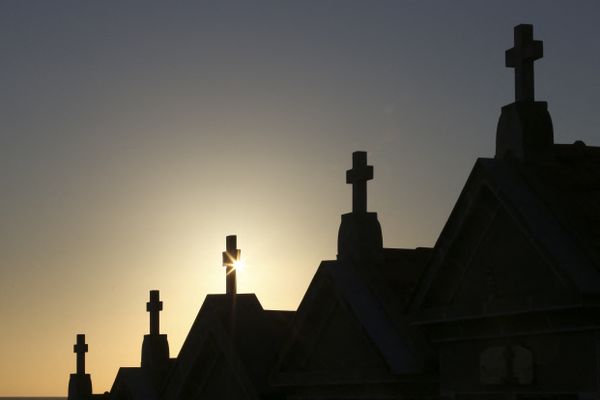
(134, 136)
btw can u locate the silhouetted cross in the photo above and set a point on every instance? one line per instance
(521, 58)
(80, 349)
(154, 306)
(358, 177)
(230, 256)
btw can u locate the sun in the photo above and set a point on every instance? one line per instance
(239, 265)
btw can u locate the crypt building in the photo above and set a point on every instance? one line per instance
(505, 306)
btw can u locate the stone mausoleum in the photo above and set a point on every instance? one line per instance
(505, 306)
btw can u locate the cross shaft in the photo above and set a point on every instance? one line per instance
(80, 348)
(230, 256)
(154, 307)
(521, 58)
(358, 177)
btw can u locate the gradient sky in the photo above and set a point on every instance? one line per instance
(134, 136)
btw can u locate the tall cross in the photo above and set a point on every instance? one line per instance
(521, 58)
(154, 307)
(358, 177)
(80, 348)
(230, 256)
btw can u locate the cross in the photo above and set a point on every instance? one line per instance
(521, 58)
(154, 306)
(230, 256)
(358, 177)
(80, 349)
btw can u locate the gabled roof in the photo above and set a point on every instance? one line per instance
(570, 187)
(399, 346)
(242, 332)
(555, 204)
(374, 296)
(133, 383)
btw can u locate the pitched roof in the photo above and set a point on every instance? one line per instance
(555, 203)
(376, 295)
(247, 334)
(394, 283)
(134, 383)
(570, 188)
(256, 333)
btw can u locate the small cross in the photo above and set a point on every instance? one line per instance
(358, 177)
(80, 348)
(154, 306)
(521, 58)
(230, 256)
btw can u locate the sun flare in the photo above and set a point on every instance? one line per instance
(239, 265)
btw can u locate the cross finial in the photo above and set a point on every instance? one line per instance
(521, 58)
(230, 256)
(80, 348)
(358, 177)
(154, 307)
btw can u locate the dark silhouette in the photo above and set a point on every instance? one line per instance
(154, 307)
(521, 58)
(503, 307)
(525, 128)
(358, 177)
(231, 255)
(80, 383)
(155, 348)
(80, 348)
(360, 234)
(146, 381)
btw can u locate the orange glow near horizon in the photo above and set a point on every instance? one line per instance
(133, 140)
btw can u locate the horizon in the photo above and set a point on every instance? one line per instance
(136, 139)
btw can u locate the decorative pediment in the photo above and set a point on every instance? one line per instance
(493, 258)
(341, 330)
(341, 344)
(211, 368)
(501, 242)
(207, 358)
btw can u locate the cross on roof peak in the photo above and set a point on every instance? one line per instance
(521, 58)
(154, 307)
(80, 348)
(358, 177)
(230, 256)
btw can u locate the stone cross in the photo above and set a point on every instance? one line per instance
(521, 58)
(230, 256)
(358, 177)
(80, 348)
(154, 307)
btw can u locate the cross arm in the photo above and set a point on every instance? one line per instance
(364, 173)
(534, 51)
